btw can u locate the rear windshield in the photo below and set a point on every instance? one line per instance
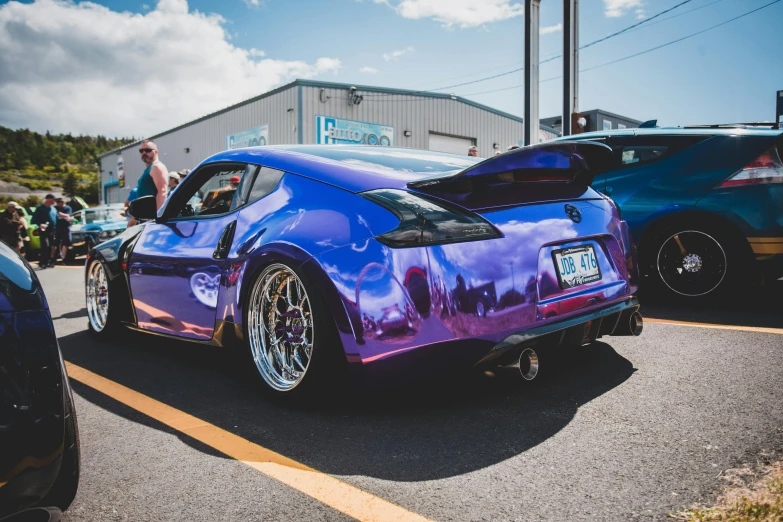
(402, 161)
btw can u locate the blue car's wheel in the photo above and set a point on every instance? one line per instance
(692, 263)
(99, 312)
(290, 334)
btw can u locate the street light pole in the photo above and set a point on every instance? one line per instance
(530, 122)
(570, 64)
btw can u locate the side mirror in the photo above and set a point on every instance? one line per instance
(143, 208)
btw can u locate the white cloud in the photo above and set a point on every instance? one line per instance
(460, 13)
(369, 70)
(617, 8)
(254, 3)
(396, 54)
(551, 29)
(84, 68)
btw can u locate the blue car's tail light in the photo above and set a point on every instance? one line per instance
(767, 168)
(425, 221)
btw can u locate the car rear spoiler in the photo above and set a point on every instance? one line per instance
(573, 162)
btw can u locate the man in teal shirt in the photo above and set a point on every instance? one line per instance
(153, 180)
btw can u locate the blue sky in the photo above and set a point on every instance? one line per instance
(727, 74)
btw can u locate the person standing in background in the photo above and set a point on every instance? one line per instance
(12, 227)
(154, 179)
(62, 231)
(473, 151)
(131, 197)
(173, 181)
(45, 216)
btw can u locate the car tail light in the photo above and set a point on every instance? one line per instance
(425, 221)
(767, 168)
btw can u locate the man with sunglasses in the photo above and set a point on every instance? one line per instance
(154, 179)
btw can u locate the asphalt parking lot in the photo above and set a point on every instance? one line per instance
(635, 429)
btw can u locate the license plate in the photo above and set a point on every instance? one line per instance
(576, 266)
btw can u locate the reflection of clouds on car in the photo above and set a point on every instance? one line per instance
(489, 260)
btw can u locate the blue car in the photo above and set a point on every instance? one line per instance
(381, 261)
(39, 435)
(95, 225)
(704, 204)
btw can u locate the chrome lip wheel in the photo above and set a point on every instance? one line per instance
(692, 263)
(97, 296)
(280, 327)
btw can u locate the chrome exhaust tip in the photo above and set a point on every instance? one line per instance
(528, 364)
(636, 324)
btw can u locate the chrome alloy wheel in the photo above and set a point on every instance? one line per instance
(280, 327)
(97, 296)
(692, 263)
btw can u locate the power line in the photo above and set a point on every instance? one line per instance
(646, 20)
(677, 15)
(636, 54)
(633, 26)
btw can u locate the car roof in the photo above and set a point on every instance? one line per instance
(352, 167)
(680, 131)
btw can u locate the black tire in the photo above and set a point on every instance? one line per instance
(101, 328)
(326, 369)
(65, 486)
(693, 262)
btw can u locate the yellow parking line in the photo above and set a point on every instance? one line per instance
(326, 489)
(756, 329)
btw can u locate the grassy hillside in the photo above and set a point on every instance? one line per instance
(51, 162)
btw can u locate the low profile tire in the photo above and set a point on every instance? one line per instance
(100, 315)
(292, 340)
(694, 263)
(63, 491)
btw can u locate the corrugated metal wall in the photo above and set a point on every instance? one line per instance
(420, 115)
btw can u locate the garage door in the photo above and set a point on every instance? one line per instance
(113, 194)
(451, 144)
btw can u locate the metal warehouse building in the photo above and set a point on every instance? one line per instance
(313, 112)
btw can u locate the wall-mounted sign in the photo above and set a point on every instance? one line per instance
(121, 170)
(248, 138)
(335, 130)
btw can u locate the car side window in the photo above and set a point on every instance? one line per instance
(632, 151)
(211, 190)
(265, 183)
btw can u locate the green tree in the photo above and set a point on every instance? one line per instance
(70, 185)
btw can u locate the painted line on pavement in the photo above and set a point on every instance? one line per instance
(324, 488)
(756, 329)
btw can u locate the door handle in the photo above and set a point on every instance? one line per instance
(224, 243)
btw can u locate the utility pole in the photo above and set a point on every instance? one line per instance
(532, 17)
(570, 66)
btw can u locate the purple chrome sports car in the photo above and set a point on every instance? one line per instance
(380, 260)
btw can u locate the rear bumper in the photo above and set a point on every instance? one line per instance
(452, 304)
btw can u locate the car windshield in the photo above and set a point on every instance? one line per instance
(102, 215)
